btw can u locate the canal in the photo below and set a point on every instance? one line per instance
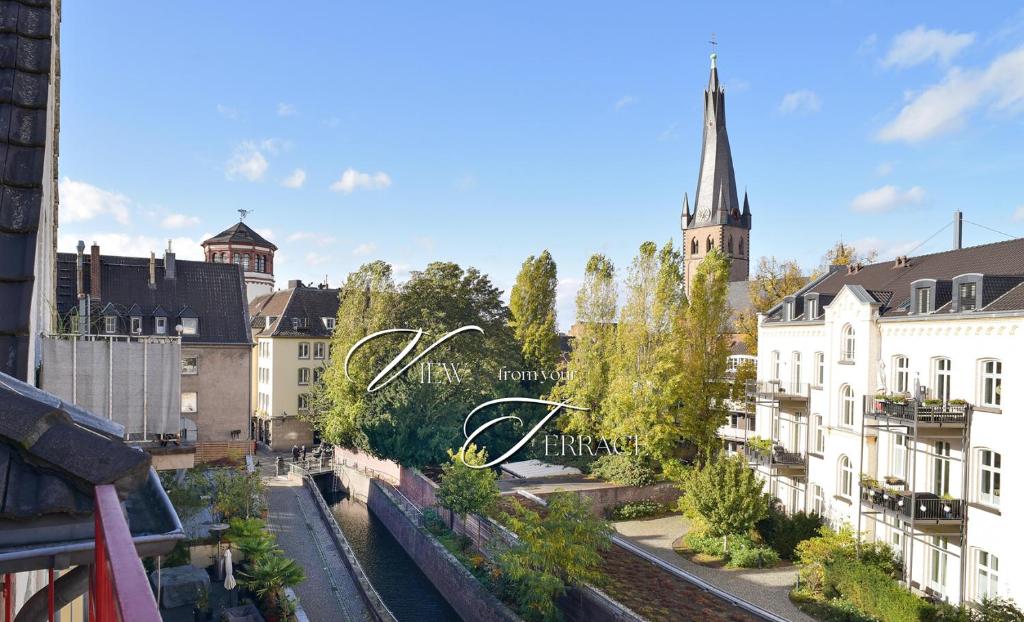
(404, 588)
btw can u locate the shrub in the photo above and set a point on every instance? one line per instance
(783, 533)
(638, 509)
(725, 495)
(999, 610)
(625, 469)
(756, 556)
(816, 554)
(874, 592)
(742, 552)
(433, 522)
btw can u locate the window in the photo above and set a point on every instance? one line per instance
(245, 262)
(236, 259)
(796, 371)
(730, 245)
(319, 350)
(846, 405)
(303, 350)
(819, 434)
(261, 263)
(943, 376)
(987, 575)
(189, 365)
(189, 402)
(710, 245)
(812, 308)
(899, 458)
(990, 476)
(924, 299)
(901, 374)
(741, 247)
(849, 343)
(694, 247)
(317, 373)
(968, 294)
(941, 464)
(303, 401)
(303, 375)
(136, 323)
(776, 366)
(818, 497)
(161, 325)
(991, 383)
(110, 324)
(938, 561)
(819, 368)
(74, 325)
(329, 323)
(189, 326)
(845, 477)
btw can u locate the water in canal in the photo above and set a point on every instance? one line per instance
(405, 589)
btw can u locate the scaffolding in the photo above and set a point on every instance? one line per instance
(918, 516)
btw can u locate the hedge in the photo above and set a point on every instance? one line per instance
(870, 590)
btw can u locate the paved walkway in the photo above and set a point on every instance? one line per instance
(329, 593)
(768, 588)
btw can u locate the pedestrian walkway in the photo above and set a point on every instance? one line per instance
(768, 589)
(329, 593)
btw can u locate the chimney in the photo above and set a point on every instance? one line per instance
(79, 266)
(152, 270)
(169, 266)
(94, 273)
(958, 230)
(294, 284)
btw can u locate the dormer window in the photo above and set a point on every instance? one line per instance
(161, 325)
(110, 324)
(270, 321)
(136, 325)
(924, 299)
(812, 308)
(788, 309)
(922, 296)
(329, 322)
(189, 326)
(967, 295)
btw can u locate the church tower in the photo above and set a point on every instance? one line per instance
(717, 220)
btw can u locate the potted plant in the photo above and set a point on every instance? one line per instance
(892, 480)
(866, 481)
(958, 402)
(268, 578)
(201, 611)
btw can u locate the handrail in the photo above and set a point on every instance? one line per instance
(120, 588)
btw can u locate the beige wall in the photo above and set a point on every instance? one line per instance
(222, 388)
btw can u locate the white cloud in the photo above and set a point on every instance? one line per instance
(285, 110)
(132, 245)
(266, 233)
(625, 100)
(319, 239)
(884, 169)
(465, 183)
(81, 201)
(248, 162)
(315, 259)
(804, 100)
(364, 249)
(179, 221)
(295, 180)
(868, 44)
(886, 198)
(886, 249)
(352, 180)
(944, 107)
(920, 45)
(1018, 214)
(227, 112)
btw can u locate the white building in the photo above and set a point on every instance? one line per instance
(943, 335)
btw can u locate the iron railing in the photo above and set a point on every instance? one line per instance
(922, 506)
(942, 413)
(777, 389)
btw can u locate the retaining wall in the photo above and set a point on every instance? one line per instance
(602, 500)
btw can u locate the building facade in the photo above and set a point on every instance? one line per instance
(883, 400)
(292, 330)
(242, 246)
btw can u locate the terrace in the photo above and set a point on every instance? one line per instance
(922, 507)
(921, 413)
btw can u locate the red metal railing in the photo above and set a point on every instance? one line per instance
(120, 590)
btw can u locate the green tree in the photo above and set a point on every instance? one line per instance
(843, 254)
(237, 494)
(701, 355)
(773, 281)
(532, 304)
(465, 490)
(561, 548)
(642, 356)
(724, 496)
(587, 371)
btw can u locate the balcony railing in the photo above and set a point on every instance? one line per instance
(926, 412)
(775, 457)
(921, 506)
(119, 589)
(778, 389)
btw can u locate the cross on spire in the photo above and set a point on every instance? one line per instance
(714, 43)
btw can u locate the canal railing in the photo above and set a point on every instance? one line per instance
(373, 601)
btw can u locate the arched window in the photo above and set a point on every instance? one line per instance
(741, 247)
(991, 383)
(901, 374)
(849, 344)
(245, 262)
(730, 245)
(846, 405)
(261, 263)
(942, 373)
(796, 370)
(694, 246)
(776, 365)
(710, 244)
(845, 479)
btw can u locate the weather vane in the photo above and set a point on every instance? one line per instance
(243, 213)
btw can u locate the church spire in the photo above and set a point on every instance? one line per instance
(685, 217)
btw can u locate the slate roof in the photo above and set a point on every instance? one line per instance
(1001, 263)
(25, 56)
(213, 292)
(308, 304)
(240, 233)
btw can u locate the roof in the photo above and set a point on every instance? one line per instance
(240, 233)
(889, 283)
(213, 292)
(308, 305)
(25, 59)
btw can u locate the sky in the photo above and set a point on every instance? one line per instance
(482, 133)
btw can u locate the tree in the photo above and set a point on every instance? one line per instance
(465, 490)
(587, 371)
(843, 254)
(701, 352)
(773, 281)
(641, 360)
(563, 547)
(725, 496)
(269, 576)
(236, 494)
(532, 304)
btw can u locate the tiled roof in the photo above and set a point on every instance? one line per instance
(213, 292)
(307, 304)
(1001, 263)
(25, 57)
(240, 233)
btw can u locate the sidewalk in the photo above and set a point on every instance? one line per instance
(768, 589)
(329, 592)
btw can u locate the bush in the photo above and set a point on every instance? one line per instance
(433, 522)
(742, 553)
(725, 496)
(783, 533)
(816, 554)
(625, 469)
(872, 591)
(756, 556)
(638, 509)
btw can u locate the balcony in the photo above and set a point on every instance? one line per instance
(927, 413)
(924, 508)
(778, 390)
(776, 457)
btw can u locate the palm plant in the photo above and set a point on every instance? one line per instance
(269, 576)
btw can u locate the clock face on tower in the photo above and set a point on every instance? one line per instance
(704, 213)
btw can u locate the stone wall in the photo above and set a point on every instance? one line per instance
(460, 588)
(356, 482)
(604, 499)
(589, 604)
(387, 469)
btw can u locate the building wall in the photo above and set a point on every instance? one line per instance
(222, 388)
(739, 269)
(278, 385)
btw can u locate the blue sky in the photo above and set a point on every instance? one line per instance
(485, 132)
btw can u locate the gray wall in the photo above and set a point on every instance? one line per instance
(222, 388)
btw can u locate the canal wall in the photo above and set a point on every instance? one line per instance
(460, 588)
(588, 604)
